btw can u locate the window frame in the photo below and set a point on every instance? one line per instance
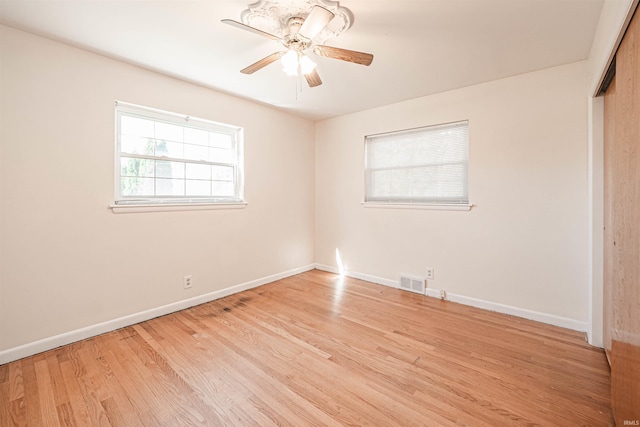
(165, 202)
(408, 202)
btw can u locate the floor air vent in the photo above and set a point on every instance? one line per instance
(412, 284)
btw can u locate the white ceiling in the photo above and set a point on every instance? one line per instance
(421, 47)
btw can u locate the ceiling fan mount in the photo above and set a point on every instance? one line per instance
(292, 39)
(293, 25)
(300, 35)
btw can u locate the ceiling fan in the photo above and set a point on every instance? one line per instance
(298, 39)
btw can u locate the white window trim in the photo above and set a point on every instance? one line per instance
(150, 204)
(424, 206)
(171, 207)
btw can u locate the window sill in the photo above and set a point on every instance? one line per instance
(437, 207)
(169, 207)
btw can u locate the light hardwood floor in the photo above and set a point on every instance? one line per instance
(316, 349)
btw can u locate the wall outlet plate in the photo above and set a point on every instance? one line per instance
(430, 273)
(186, 282)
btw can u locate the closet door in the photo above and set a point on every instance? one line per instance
(622, 229)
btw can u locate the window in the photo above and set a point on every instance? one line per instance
(167, 158)
(427, 166)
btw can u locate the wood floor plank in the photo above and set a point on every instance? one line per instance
(12, 390)
(46, 395)
(4, 373)
(76, 398)
(5, 416)
(31, 387)
(316, 349)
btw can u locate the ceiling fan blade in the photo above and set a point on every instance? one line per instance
(318, 18)
(313, 78)
(262, 63)
(344, 54)
(250, 28)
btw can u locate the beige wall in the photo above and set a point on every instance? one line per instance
(524, 244)
(67, 260)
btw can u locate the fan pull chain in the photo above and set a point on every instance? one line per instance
(298, 85)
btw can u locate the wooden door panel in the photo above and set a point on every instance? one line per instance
(622, 229)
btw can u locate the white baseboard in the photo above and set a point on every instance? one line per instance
(55, 341)
(551, 319)
(361, 276)
(538, 316)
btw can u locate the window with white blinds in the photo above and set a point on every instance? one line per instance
(164, 157)
(428, 165)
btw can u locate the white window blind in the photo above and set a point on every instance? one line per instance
(164, 157)
(428, 165)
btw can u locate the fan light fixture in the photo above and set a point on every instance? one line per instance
(293, 64)
(301, 27)
(306, 64)
(290, 63)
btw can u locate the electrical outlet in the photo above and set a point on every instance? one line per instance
(186, 282)
(429, 273)
(443, 295)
